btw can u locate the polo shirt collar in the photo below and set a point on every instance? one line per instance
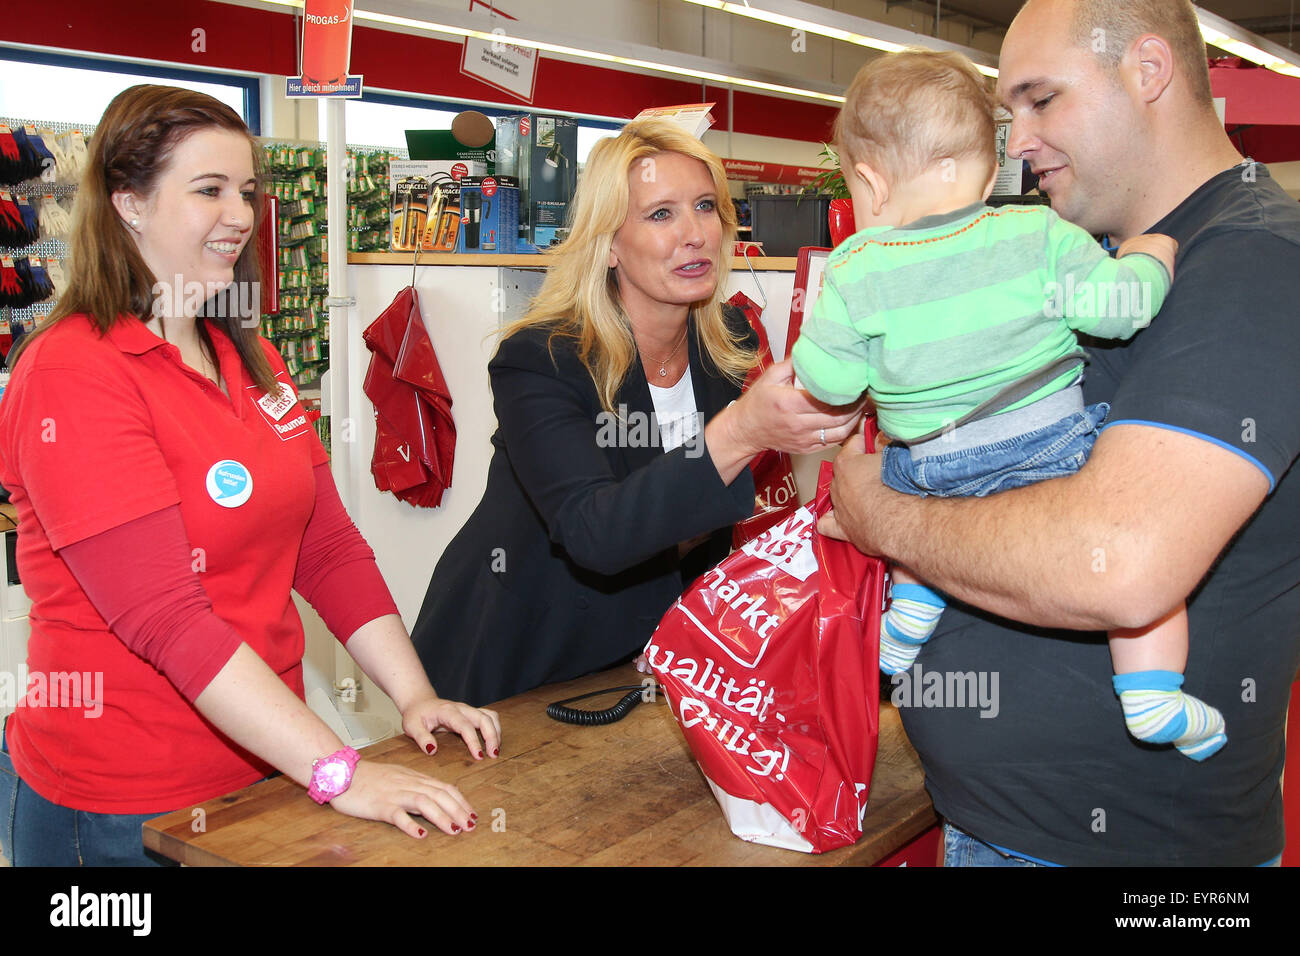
(228, 361)
(132, 336)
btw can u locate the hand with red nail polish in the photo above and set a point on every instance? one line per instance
(479, 727)
(394, 794)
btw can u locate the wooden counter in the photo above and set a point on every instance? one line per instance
(760, 263)
(627, 794)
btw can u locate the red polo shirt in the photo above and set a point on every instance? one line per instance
(96, 432)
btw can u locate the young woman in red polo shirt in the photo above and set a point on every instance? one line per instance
(170, 494)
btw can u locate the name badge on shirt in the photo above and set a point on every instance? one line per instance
(229, 483)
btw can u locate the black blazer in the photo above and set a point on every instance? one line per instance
(570, 559)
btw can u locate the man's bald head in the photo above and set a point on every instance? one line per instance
(1109, 27)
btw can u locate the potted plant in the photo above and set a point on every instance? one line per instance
(831, 182)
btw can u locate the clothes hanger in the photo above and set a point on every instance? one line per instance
(762, 295)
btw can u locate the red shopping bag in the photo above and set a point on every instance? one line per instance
(776, 496)
(770, 663)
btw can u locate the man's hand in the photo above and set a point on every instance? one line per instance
(1035, 554)
(856, 493)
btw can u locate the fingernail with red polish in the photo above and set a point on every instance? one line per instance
(480, 755)
(429, 748)
(421, 831)
(473, 816)
(496, 751)
(455, 829)
(470, 825)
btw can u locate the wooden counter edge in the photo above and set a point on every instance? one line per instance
(918, 816)
(922, 818)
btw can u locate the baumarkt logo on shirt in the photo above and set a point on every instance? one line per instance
(83, 690)
(278, 406)
(275, 408)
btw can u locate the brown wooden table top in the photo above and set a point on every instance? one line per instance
(626, 794)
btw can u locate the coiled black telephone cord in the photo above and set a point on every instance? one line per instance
(595, 718)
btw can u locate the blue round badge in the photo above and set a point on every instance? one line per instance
(229, 483)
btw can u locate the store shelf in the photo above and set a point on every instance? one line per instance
(762, 264)
(767, 263)
(446, 259)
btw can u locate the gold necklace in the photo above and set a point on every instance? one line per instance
(663, 370)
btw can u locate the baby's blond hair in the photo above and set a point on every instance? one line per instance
(908, 110)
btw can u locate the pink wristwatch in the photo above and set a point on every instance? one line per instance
(332, 775)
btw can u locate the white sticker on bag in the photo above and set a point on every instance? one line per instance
(788, 544)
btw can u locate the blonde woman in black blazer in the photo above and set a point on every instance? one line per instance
(588, 530)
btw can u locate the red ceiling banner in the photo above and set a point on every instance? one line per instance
(748, 171)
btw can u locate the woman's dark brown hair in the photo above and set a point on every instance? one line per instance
(107, 277)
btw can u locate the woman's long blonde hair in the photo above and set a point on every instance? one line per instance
(579, 298)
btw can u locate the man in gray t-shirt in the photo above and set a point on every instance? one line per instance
(1189, 494)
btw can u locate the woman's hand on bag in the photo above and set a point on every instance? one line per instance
(429, 714)
(390, 794)
(774, 413)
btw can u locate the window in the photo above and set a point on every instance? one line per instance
(382, 119)
(56, 88)
(371, 123)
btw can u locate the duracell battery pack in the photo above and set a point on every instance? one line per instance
(423, 193)
(410, 211)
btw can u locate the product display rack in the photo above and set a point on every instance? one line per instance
(296, 176)
(45, 247)
(300, 327)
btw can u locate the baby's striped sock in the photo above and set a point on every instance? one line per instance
(913, 613)
(1159, 713)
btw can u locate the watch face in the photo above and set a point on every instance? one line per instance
(332, 775)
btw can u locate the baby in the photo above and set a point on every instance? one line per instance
(959, 320)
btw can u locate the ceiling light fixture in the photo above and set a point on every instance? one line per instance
(797, 15)
(393, 15)
(850, 29)
(1227, 36)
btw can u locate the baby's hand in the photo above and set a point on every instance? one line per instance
(1154, 244)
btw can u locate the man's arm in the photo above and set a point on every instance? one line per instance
(1116, 545)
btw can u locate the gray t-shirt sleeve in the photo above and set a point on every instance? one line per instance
(1221, 361)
